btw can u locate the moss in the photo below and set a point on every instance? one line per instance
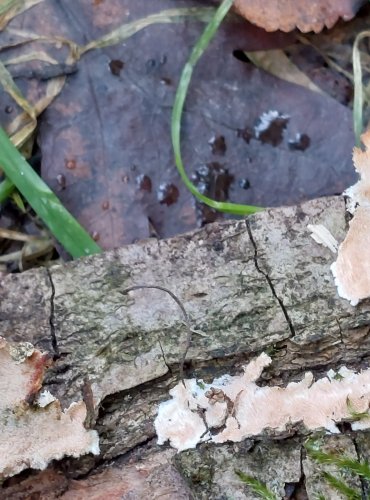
(116, 276)
(197, 466)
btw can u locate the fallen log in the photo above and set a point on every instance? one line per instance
(249, 286)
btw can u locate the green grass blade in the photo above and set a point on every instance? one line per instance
(18, 200)
(342, 487)
(62, 225)
(341, 461)
(198, 50)
(256, 486)
(360, 468)
(358, 99)
(6, 189)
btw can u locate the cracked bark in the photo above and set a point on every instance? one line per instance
(301, 487)
(268, 279)
(362, 448)
(248, 287)
(164, 356)
(54, 341)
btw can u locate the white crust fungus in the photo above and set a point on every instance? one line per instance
(352, 268)
(34, 430)
(247, 410)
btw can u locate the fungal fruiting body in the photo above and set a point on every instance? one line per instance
(352, 267)
(234, 408)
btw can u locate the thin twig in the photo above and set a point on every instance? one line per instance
(185, 314)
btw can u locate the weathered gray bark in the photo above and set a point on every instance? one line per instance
(251, 285)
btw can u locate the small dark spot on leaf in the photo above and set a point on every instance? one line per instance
(244, 183)
(218, 145)
(270, 127)
(70, 164)
(246, 133)
(116, 66)
(300, 142)
(167, 193)
(217, 178)
(150, 64)
(144, 183)
(155, 64)
(222, 180)
(212, 180)
(166, 81)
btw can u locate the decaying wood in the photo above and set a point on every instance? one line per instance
(260, 284)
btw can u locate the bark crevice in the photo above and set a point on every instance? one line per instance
(365, 487)
(54, 341)
(164, 356)
(269, 281)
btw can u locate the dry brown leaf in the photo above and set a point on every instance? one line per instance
(106, 136)
(23, 125)
(278, 64)
(306, 15)
(10, 9)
